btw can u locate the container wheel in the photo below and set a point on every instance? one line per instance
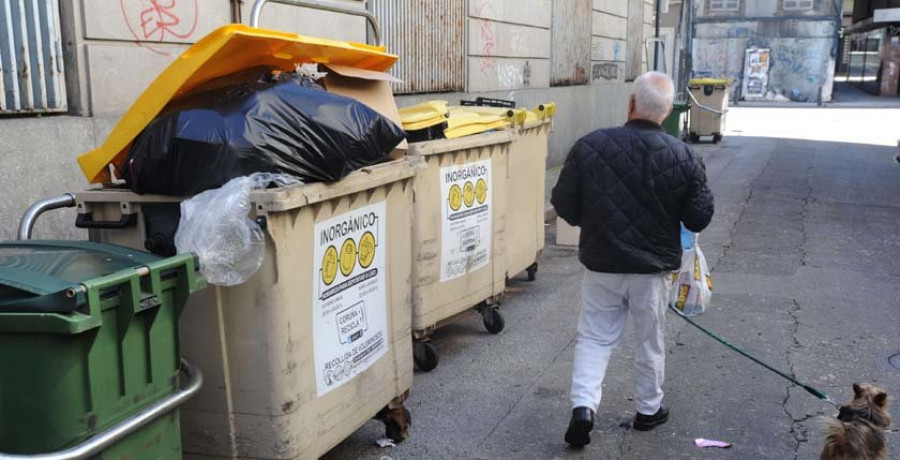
(396, 424)
(425, 355)
(531, 272)
(493, 319)
(717, 138)
(694, 137)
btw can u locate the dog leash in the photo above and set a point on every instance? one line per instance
(810, 389)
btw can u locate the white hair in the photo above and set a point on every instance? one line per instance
(653, 95)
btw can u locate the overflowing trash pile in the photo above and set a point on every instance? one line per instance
(255, 121)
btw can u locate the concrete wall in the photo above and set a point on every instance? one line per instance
(803, 46)
(115, 49)
(111, 58)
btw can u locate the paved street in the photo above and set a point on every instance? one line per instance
(805, 253)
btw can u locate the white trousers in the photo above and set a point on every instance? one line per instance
(608, 298)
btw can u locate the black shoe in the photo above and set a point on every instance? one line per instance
(648, 422)
(579, 433)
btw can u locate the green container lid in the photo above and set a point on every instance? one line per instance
(41, 276)
(89, 334)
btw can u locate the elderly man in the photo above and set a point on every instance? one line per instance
(629, 189)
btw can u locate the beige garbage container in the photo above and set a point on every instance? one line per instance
(710, 105)
(459, 230)
(527, 176)
(317, 342)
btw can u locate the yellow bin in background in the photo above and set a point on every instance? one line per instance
(709, 108)
(459, 233)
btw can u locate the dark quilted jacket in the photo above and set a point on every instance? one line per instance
(628, 188)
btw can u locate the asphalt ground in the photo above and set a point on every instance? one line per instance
(805, 257)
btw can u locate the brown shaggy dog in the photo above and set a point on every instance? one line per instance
(858, 431)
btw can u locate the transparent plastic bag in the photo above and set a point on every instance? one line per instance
(692, 284)
(216, 226)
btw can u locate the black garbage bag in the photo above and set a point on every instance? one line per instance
(256, 121)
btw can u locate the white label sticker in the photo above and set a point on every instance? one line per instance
(350, 329)
(466, 218)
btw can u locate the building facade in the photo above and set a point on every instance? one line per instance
(773, 50)
(86, 61)
(874, 41)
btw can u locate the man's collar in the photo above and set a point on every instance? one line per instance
(639, 123)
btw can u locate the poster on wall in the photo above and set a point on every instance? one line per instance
(756, 73)
(350, 327)
(466, 214)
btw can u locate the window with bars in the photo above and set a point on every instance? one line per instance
(429, 38)
(32, 78)
(797, 5)
(724, 6)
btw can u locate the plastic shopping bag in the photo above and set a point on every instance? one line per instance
(692, 284)
(217, 227)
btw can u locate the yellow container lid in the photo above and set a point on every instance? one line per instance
(226, 50)
(465, 123)
(514, 116)
(424, 115)
(710, 81)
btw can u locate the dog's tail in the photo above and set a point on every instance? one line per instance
(835, 440)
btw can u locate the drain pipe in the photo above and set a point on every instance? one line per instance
(66, 200)
(656, 44)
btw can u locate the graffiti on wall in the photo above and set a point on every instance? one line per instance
(608, 71)
(488, 37)
(799, 62)
(505, 74)
(157, 21)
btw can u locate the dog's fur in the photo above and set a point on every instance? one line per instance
(858, 431)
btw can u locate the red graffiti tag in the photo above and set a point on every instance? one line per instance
(158, 20)
(486, 31)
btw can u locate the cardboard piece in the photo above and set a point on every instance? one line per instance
(567, 235)
(366, 86)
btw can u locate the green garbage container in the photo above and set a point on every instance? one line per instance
(675, 121)
(90, 361)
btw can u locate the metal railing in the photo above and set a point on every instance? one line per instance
(26, 225)
(311, 4)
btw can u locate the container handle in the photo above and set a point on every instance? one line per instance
(104, 440)
(315, 5)
(704, 107)
(87, 221)
(66, 200)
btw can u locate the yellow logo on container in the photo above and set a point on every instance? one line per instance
(469, 194)
(455, 197)
(329, 265)
(348, 256)
(481, 191)
(366, 250)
